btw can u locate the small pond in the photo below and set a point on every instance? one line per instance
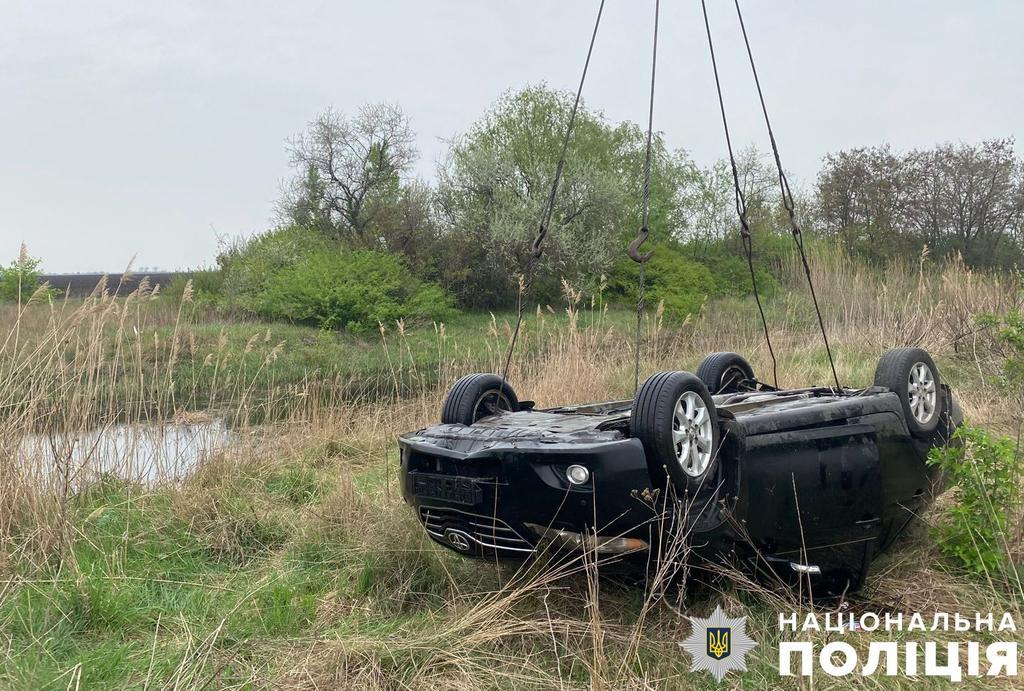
(136, 452)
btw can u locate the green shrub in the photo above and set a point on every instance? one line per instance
(20, 280)
(684, 275)
(350, 289)
(207, 286)
(296, 274)
(669, 277)
(1009, 331)
(727, 262)
(248, 266)
(986, 472)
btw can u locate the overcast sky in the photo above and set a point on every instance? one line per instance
(145, 128)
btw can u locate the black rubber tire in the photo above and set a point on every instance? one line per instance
(465, 402)
(651, 423)
(715, 371)
(893, 373)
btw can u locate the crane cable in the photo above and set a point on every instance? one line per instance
(537, 248)
(787, 195)
(641, 236)
(741, 202)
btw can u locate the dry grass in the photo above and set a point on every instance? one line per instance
(308, 506)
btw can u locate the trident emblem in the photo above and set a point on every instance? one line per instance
(718, 642)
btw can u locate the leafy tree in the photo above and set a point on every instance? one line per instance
(968, 200)
(497, 178)
(713, 214)
(954, 198)
(345, 168)
(304, 204)
(714, 238)
(864, 195)
(406, 224)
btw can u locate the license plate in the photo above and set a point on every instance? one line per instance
(458, 490)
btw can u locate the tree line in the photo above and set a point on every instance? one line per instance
(359, 239)
(353, 210)
(965, 199)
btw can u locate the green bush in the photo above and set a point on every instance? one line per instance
(684, 275)
(725, 259)
(1009, 331)
(248, 266)
(670, 277)
(297, 275)
(20, 280)
(207, 286)
(349, 289)
(987, 473)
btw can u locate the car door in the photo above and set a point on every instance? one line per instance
(814, 495)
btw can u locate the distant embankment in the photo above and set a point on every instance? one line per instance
(81, 285)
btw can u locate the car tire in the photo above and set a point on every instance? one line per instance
(674, 418)
(911, 374)
(723, 372)
(476, 396)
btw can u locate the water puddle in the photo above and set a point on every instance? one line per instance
(139, 452)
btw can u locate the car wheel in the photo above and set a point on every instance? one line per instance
(477, 396)
(911, 374)
(725, 372)
(674, 418)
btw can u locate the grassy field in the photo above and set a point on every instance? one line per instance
(288, 560)
(193, 358)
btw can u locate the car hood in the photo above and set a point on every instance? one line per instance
(526, 427)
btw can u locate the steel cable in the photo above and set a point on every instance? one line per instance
(537, 248)
(741, 202)
(645, 203)
(787, 195)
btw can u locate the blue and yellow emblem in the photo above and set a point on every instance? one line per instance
(718, 642)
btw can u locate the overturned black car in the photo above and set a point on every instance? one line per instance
(800, 484)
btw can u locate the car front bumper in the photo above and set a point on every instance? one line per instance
(502, 498)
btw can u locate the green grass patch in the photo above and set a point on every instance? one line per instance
(272, 367)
